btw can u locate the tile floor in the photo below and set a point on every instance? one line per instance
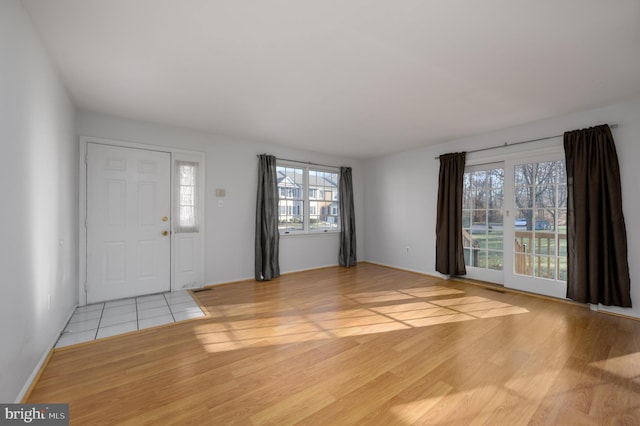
(106, 319)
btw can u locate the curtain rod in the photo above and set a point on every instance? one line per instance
(305, 162)
(506, 144)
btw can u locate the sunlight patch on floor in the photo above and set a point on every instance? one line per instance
(396, 310)
(627, 366)
(533, 386)
(412, 412)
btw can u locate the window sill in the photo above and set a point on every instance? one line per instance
(308, 234)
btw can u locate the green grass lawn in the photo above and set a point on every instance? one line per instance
(490, 254)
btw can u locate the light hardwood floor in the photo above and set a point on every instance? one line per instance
(365, 345)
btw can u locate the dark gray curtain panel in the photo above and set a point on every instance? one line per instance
(598, 269)
(347, 256)
(449, 250)
(267, 264)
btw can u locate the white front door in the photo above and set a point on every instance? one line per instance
(128, 222)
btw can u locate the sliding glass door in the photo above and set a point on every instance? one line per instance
(537, 238)
(514, 222)
(482, 222)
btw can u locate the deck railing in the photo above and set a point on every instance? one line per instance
(471, 247)
(524, 258)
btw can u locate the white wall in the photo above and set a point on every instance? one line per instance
(401, 189)
(38, 186)
(232, 164)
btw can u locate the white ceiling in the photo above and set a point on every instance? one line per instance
(358, 78)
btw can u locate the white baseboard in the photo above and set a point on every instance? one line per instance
(36, 371)
(308, 269)
(415, 271)
(252, 278)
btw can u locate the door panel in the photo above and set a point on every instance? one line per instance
(482, 221)
(128, 194)
(536, 193)
(514, 223)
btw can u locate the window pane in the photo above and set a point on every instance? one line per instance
(561, 221)
(495, 240)
(495, 188)
(523, 219)
(545, 220)
(496, 198)
(186, 196)
(468, 256)
(482, 258)
(478, 220)
(524, 242)
(562, 196)
(545, 267)
(291, 214)
(324, 185)
(545, 196)
(524, 174)
(545, 243)
(467, 193)
(291, 204)
(495, 219)
(562, 268)
(545, 173)
(466, 219)
(313, 180)
(314, 214)
(481, 239)
(522, 264)
(524, 197)
(562, 245)
(561, 172)
(479, 179)
(495, 260)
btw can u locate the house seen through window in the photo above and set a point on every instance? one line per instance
(308, 199)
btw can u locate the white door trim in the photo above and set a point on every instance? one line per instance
(82, 204)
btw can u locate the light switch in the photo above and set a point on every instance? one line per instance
(220, 203)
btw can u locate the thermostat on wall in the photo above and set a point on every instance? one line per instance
(220, 192)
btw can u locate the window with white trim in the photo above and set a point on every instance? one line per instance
(308, 199)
